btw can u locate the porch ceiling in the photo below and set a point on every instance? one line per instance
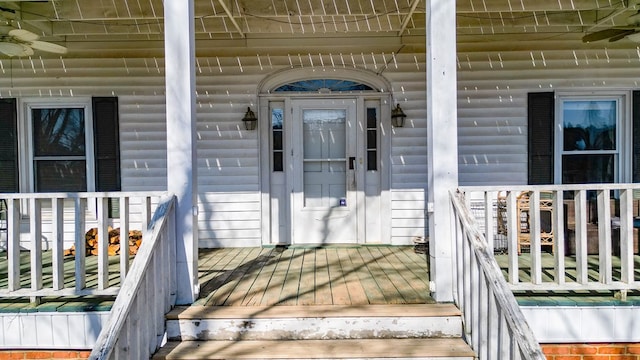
(84, 25)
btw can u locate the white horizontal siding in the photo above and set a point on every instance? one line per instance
(408, 219)
(492, 99)
(229, 219)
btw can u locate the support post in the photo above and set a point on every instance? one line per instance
(442, 141)
(181, 141)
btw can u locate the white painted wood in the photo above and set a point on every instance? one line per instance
(562, 279)
(182, 167)
(137, 299)
(123, 203)
(35, 249)
(512, 238)
(581, 237)
(534, 234)
(103, 243)
(38, 203)
(318, 217)
(558, 233)
(57, 265)
(626, 236)
(13, 243)
(515, 336)
(604, 236)
(489, 199)
(589, 324)
(80, 244)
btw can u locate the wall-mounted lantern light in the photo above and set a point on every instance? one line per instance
(250, 120)
(397, 117)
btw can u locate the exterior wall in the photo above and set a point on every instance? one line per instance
(493, 82)
(44, 354)
(228, 156)
(592, 351)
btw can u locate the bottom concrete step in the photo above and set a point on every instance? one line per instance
(429, 349)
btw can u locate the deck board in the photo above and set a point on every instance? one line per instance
(313, 276)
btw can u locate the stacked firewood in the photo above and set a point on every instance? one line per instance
(114, 247)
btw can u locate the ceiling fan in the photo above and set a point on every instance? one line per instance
(21, 42)
(615, 33)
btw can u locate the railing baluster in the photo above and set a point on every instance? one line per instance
(13, 243)
(512, 224)
(534, 238)
(124, 237)
(626, 236)
(582, 270)
(35, 226)
(57, 241)
(604, 236)
(558, 236)
(489, 200)
(80, 243)
(103, 243)
(483, 316)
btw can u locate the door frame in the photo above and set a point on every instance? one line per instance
(266, 97)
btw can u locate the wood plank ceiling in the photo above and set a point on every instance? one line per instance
(101, 24)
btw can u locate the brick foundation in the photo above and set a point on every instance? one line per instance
(44, 354)
(595, 351)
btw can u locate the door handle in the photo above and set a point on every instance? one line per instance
(352, 161)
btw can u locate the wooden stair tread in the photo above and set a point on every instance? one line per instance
(231, 312)
(317, 349)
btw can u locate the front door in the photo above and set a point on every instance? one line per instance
(325, 171)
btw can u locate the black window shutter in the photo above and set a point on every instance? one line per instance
(540, 109)
(8, 146)
(107, 143)
(635, 115)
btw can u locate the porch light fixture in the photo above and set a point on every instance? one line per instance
(250, 120)
(397, 117)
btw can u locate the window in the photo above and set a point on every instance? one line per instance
(588, 142)
(596, 137)
(60, 158)
(277, 137)
(65, 144)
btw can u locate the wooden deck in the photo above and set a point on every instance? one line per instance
(313, 276)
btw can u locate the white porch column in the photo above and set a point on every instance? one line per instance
(181, 140)
(443, 140)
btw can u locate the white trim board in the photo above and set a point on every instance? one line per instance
(51, 330)
(583, 324)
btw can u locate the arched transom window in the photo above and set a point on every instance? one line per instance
(323, 86)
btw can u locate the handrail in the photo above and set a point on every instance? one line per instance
(588, 240)
(494, 324)
(52, 224)
(148, 292)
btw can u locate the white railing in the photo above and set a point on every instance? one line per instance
(40, 226)
(135, 328)
(576, 237)
(494, 326)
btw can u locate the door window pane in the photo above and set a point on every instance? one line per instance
(324, 169)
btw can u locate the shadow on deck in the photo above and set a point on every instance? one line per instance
(333, 275)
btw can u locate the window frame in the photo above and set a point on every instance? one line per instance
(623, 152)
(25, 134)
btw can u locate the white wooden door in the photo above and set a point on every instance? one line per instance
(324, 171)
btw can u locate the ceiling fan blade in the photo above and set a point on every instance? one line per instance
(603, 34)
(48, 47)
(12, 49)
(24, 35)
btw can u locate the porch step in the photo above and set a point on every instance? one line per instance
(429, 349)
(416, 331)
